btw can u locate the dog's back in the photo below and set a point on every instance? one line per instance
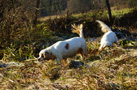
(108, 39)
(69, 47)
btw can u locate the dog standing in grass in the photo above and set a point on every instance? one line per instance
(64, 49)
(108, 38)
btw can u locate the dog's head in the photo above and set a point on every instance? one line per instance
(46, 55)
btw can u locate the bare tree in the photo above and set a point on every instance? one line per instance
(37, 10)
(50, 4)
(109, 10)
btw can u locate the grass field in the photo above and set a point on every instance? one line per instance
(111, 69)
(94, 13)
(117, 70)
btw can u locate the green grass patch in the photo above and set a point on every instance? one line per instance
(103, 13)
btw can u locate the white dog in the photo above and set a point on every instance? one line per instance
(108, 38)
(64, 49)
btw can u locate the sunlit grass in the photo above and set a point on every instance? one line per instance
(107, 73)
(121, 12)
(104, 13)
(100, 74)
(98, 13)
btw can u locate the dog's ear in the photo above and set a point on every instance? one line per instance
(47, 55)
(43, 55)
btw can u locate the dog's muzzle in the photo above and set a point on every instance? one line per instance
(39, 59)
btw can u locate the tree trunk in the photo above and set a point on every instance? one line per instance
(36, 12)
(50, 5)
(109, 11)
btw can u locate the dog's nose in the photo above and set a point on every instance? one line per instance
(38, 59)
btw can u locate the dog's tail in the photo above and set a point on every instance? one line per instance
(78, 29)
(104, 27)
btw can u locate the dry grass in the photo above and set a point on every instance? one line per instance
(117, 72)
(112, 69)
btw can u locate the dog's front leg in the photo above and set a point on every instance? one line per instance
(59, 58)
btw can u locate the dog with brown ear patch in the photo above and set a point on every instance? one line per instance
(64, 49)
(46, 55)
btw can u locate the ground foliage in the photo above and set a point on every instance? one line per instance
(112, 69)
